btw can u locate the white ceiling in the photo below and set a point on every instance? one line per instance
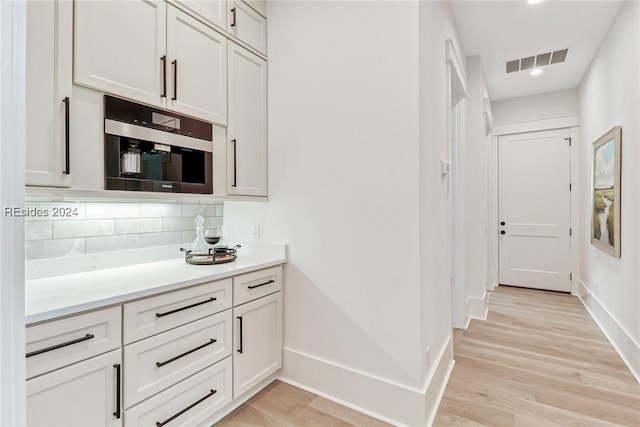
(500, 31)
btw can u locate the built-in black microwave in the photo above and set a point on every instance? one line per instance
(148, 149)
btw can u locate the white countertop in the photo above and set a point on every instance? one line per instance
(51, 297)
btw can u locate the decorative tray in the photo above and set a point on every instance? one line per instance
(217, 256)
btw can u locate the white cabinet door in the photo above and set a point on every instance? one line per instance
(119, 46)
(247, 130)
(214, 11)
(259, 6)
(197, 58)
(80, 395)
(247, 25)
(49, 59)
(257, 342)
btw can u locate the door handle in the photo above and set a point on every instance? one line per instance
(175, 79)
(240, 349)
(118, 411)
(163, 59)
(503, 223)
(233, 13)
(67, 168)
(503, 232)
(235, 163)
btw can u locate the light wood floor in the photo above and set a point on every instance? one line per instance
(282, 405)
(538, 360)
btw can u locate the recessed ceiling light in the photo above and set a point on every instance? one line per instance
(535, 72)
(533, 1)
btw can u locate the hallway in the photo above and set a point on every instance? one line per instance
(540, 360)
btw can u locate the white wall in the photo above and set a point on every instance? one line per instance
(12, 142)
(563, 103)
(476, 191)
(357, 128)
(610, 96)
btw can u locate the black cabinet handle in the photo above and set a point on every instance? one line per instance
(174, 63)
(57, 346)
(240, 349)
(117, 413)
(67, 168)
(173, 417)
(163, 59)
(503, 232)
(235, 163)
(261, 284)
(233, 13)
(173, 359)
(503, 223)
(185, 308)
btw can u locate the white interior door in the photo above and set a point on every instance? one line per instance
(534, 210)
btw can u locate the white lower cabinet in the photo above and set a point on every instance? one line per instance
(187, 354)
(187, 403)
(257, 342)
(156, 363)
(81, 395)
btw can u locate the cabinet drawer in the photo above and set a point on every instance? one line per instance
(158, 362)
(62, 342)
(153, 315)
(250, 286)
(190, 402)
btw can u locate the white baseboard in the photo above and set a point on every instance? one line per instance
(478, 307)
(239, 401)
(627, 347)
(391, 402)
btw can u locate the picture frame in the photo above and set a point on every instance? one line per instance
(605, 221)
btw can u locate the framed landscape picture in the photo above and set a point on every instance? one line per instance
(605, 226)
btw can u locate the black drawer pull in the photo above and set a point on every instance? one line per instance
(118, 411)
(173, 417)
(57, 346)
(185, 308)
(173, 359)
(240, 331)
(261, 284)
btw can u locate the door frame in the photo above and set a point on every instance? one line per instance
(570, 122)
(455, 110)
(13, 16)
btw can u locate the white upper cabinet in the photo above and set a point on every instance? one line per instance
(247, 25)
(197, 68)
(119, 46)
(247, 130)
(49, 60)
(259, 6)
(214, 11)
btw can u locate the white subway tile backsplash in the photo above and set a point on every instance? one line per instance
(177, 224)
(83, 228)
(112, 243)
(37, 249)
(195, 210)
(38, 230)
(160, 239)
(188, 236)
(160, 210)
(142, 225)
(113, 210)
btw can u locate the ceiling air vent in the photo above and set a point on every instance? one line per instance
(540, 60)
